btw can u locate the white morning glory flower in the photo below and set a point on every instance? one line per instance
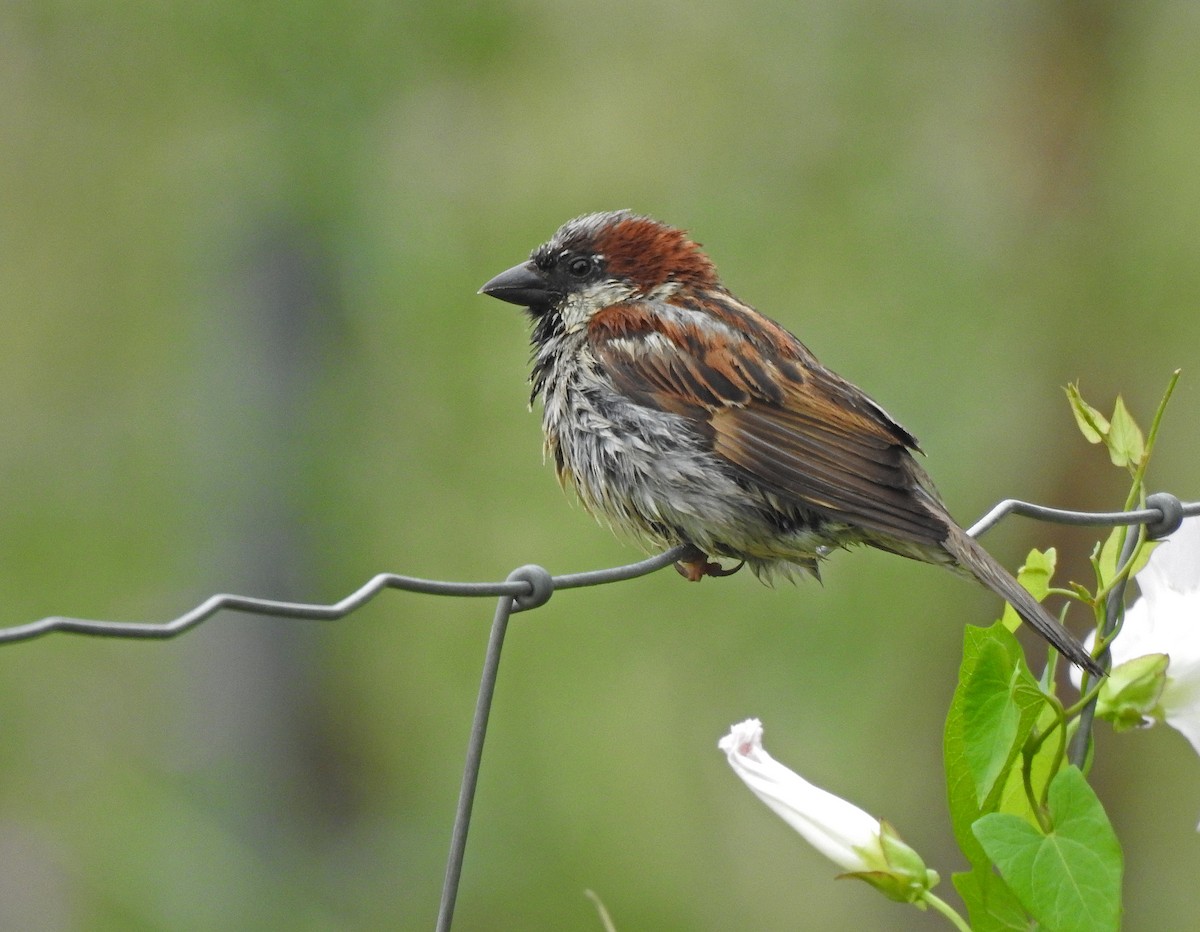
(855, 841)
(1156, 655)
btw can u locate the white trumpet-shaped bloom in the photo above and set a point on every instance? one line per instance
(839, 830)
(855, 841)
(1163, 623)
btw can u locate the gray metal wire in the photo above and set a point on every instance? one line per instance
(541, 587)
(526, 588)
(519, 586)
(1165, 509)
(1114, 607)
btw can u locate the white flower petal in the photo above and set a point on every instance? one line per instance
(1175, 564)
(839, 830)
(1166, 620)
(1181, 702)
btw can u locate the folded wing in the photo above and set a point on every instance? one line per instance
(772, 412)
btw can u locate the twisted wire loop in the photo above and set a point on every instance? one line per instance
(529, 587)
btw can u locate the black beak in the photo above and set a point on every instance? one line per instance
(522, 284)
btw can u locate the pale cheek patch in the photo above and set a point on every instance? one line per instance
(579, 308)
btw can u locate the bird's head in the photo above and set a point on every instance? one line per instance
(598, 260)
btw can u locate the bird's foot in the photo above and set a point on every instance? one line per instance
(695, 565)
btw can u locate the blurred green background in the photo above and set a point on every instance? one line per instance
(241, 350)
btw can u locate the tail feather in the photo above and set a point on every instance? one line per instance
(980, 564)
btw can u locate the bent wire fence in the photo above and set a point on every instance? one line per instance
(529, 587)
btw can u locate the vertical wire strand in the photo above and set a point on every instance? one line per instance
(1114, 605)
(466, 794)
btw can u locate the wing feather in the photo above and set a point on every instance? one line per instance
(772, 412)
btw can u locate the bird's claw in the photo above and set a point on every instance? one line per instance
(696, 565)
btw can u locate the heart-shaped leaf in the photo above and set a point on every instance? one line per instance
(1068, 878)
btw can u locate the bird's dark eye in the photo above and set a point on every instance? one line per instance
(579, 266)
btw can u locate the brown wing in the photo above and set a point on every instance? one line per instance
(773, 412)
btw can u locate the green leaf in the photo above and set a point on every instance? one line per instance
(1035, 576)
(1069, 878)
(1122, 436)
(1156, 420)
(1085, 594)
(1125, 443)
(1092, 424)
(991, 905)
(1130, 695)
(1142, 557)
(1001, 704)
(960, 783)
(1045, 764)
(993, 708)
(1110, 551)
(1037, 572)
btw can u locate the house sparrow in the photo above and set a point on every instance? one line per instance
(683, 416)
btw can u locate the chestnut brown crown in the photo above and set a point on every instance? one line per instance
(614, 245)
